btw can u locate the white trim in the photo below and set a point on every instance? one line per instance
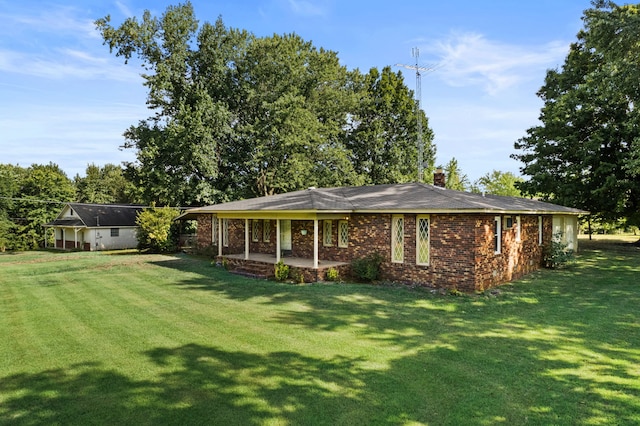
(278, 240)
(315, 243)
(518, 229)
(540, 230)
(497, 235)
(246, 239)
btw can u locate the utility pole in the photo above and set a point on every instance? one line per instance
(415, 52)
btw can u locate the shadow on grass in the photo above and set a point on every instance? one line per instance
(198, 384)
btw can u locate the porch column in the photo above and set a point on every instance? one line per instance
(246, 239)
(75, 237)
(315, 243)
(219, 234)
(277, 240)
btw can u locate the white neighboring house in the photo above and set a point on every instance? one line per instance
(93, 227)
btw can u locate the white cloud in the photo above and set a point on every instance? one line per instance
(124, 9)
(470, 59)
(306, 8)
(66, 63)
(54, 19)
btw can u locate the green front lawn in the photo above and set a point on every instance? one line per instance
(99, 338)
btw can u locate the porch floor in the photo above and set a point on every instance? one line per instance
(296, 262)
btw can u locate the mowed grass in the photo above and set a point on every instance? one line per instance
(110, 338)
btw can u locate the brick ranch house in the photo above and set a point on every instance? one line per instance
(94, 227)
(427, 235)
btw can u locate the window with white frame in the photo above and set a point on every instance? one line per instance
(327, 232)
(518, 229)
(255, 230)
(266, 230)
(422, 240)
(225, 232)
(214, 229)
(497, 235)
(397, 238)
(343, 233)
(539, 230)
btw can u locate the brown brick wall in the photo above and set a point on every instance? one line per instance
(516, 259)
(461, 247)
(203, 238)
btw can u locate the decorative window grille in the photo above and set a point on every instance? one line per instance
(266, 231)
(255, 230)
(397, 238)
(343, 233)
(422, 240)
(327, 233)
(225, 232)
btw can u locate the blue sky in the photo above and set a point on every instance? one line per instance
(65, 99)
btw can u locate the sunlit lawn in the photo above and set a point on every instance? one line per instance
(97, 338)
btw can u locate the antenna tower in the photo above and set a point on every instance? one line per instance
(415, 52)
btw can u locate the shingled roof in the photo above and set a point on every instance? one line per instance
(407, 197)
(98, 215)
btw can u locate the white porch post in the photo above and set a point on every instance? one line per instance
(75, 237)
(315, 243)
(246, 239)
(277, 240)
(219, 235)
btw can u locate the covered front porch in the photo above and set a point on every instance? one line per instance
(262, 265)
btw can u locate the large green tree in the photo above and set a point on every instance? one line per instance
(29, 198)
(292, 107)
(177, 147)
(581, 153)
(383, 128)
(105, 184)
(236, 116)
(498, 183)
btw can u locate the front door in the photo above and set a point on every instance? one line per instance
(285, 235)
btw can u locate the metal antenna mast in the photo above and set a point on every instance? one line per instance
(415, 52)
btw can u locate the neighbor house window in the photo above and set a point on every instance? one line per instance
(397, 238)
(343, 233)
(327, 231)
(422, 240)
(225, 232)
(497, 235)
(539, 230)
(518, 229)
(214, 229)
(115, 232)
(255, 230)
(266, 230)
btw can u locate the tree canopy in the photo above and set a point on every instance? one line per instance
(235, 115)
(585, 153)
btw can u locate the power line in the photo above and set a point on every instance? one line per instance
(34, 200)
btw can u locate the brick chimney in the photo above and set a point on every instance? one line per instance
(439, 179)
